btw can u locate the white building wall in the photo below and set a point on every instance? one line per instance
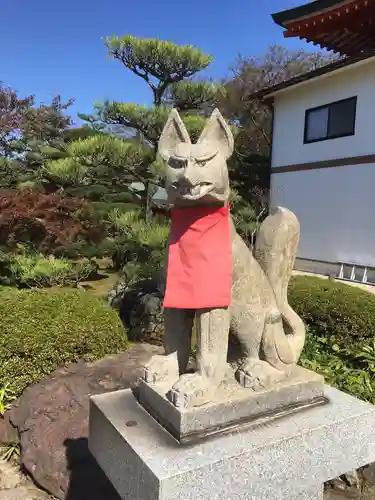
(289, 119)
(335, 206)
(336, 209)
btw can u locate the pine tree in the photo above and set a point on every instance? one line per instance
(127, 153)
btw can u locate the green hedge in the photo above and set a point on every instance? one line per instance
(341, 312)
(41, 330)
(340, 340)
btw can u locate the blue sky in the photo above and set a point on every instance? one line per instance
(56, 47)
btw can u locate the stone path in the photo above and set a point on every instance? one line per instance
(15, 486)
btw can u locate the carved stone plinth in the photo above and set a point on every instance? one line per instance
(233, 406)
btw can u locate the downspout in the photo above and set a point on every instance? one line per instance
(270, 103)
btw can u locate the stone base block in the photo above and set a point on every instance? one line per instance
(288, 459)
(233, 407)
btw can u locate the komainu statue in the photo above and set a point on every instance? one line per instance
(216, 285)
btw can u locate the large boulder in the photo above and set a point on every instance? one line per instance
(52, 420)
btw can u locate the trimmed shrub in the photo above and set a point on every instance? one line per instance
(340, 341)
(340, 312)
(41, 330)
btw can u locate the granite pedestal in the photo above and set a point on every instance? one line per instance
(287, 459)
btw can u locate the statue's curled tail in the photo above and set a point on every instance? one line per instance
(275, 250)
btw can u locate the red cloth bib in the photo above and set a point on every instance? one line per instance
(199, 274)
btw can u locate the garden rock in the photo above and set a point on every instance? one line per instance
(146, 317)
(359, 484)
(141, 310)
(52, 419)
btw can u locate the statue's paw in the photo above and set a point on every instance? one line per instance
(161, 368)
(191, 390)
(258, 375)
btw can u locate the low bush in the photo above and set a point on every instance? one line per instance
(82, 249)
(41, 330)
(342, 313)
(37, 270)
(351, 370)
(27, 270)
(340, 341)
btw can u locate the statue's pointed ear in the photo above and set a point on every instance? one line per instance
(217, 131)
(173, 133)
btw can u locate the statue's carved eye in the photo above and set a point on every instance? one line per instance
(202, 163)
(177, 162)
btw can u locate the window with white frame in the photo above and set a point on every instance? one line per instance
(330, 121)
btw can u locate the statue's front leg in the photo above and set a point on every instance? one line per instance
(212, 347)
(178, 329)
(178, 326)
(212, 343)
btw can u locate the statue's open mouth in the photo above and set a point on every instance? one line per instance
(195, 192)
